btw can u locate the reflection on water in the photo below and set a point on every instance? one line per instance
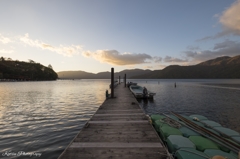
(216, 99)
(44, 117)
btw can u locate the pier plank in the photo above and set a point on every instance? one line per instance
(119, 129)
(116, 153)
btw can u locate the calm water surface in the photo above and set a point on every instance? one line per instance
(41, 118)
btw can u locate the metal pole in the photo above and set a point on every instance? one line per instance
(112, 82)
(125, 80)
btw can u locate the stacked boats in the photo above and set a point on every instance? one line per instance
(139, 92)
(196, 137)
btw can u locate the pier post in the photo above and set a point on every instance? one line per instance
(112, 82)
(125, 80)
(119, 80)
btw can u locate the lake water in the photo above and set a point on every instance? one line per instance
(39, 119)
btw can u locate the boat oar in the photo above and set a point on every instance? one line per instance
(233, 146)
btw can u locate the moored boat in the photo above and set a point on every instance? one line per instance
(196, 137)
(131, 83)
(115, 84)
(139, 92)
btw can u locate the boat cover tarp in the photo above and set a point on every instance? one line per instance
(215, 132)
(167, 130)
(187, 117)
(173, 117)
(175, 142)
(234, 154)
(157, 120)
(189, 153)
(227, 131)
(191, 119)
(210, 123)
(198, 123)
(188, 132)
(224, 148)
(200, 117)
(158, 124)
(236, 138)
(214, 152)
(203, 143)
(155, 117)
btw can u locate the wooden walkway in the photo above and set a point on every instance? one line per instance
(119, 129)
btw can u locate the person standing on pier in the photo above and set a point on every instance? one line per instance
(145, 91)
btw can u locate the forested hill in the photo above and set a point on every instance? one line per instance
(30, 71)
(222, 67)
(100, 75)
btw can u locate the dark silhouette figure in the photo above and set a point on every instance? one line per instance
(145, 91)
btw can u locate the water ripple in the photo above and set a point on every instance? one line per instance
(45, 116)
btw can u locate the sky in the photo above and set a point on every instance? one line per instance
(96, 35)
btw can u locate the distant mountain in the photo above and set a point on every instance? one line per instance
(100, 75)
(221, 67)
(224, 61)
(132, 73)
(75, 75)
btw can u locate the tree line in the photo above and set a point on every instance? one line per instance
(25, 71)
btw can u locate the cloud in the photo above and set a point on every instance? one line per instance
(155, 67)
(115, 58)
(173, 59)
(157, 59)
(216, 36)
(63, 50)
(226, 48)
(230, 18)
(3, 51)
(193, 48)
(87, 53)
(216, 16)
(148, 67)
(225, 44)
(4, 40)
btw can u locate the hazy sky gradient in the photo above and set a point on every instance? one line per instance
(95, 35)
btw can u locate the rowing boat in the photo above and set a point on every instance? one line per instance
(131, 83)
(196, 137)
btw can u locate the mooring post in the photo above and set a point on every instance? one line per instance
(119, 80)
(112, 82)
(125, 80)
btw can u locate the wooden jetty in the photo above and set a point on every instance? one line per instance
(119, 129)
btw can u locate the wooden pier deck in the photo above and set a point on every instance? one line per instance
(119, 129)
